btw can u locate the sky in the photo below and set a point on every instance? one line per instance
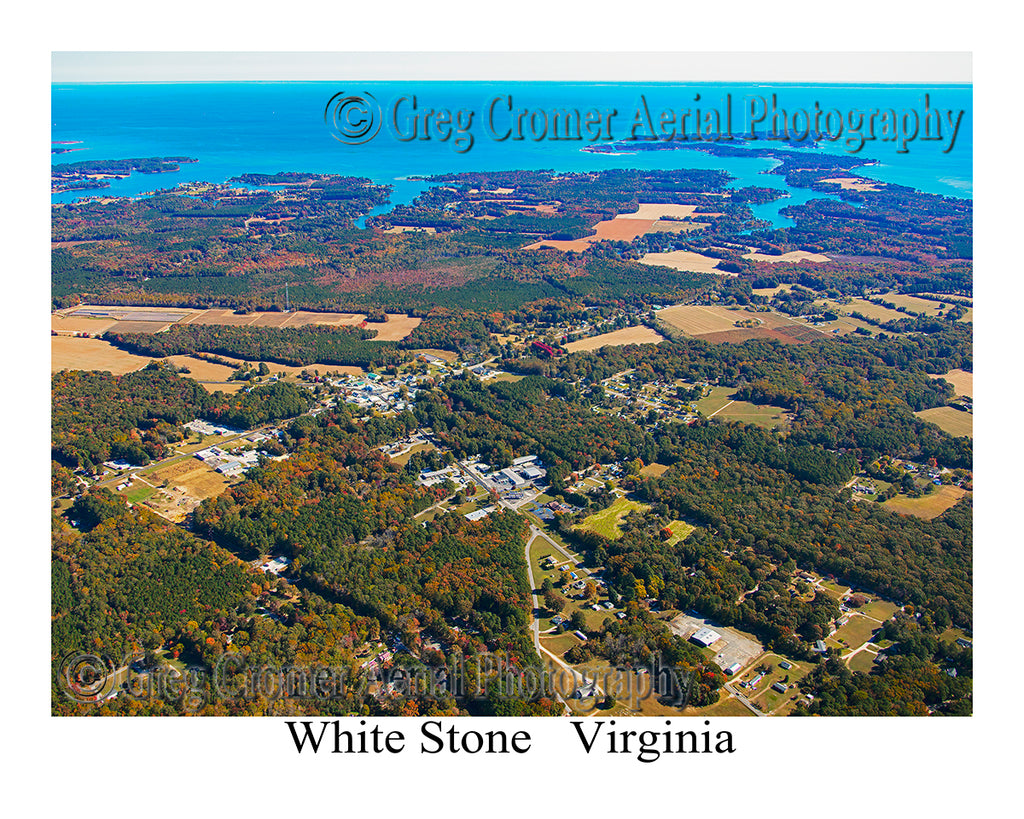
(206, 66)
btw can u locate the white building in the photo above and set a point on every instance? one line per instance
(706, 637)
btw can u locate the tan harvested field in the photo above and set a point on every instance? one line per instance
(768, 292)
(926, 306)
(956, 422)
(872, 311)
(411, 229)
(654, 470)
(663, 226)
(200, 369)
(225, 386)
(397, 327)
(67, 325)
(685, 260)
(447, 355)
(69, 353)
(319, 369)
(967, 317)
(926, 506)
(791, 256)
(617, 229)
(138, 327)
(155, 319)
(962, 381)
(850, 184)
(272, 319)
(617, 338)
(655, 211)
(695, 319)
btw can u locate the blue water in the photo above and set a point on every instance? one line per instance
(235, 128)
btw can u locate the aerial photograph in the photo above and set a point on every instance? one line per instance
(478, 398)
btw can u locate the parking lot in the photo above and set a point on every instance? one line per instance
(733, 647)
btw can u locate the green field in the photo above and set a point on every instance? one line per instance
(856, 632)
(716, 398)
(680, 531)
(862, 661)
(606, 522)
(763, 416)
(560, 643)
(879, 609)
(138, 493)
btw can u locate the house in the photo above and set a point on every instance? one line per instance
(785, 665)
(780, 687)
(581, 635)
(820, 647)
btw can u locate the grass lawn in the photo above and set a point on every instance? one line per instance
(861, 661)
(403, 459)
(538, 549)
(138, 493)
(606, 522)
(725, 707)
(717, 398)
(879, 609)
(832, 589)
(560, 643)
(680, 531)
(856, 632)
(765, 416)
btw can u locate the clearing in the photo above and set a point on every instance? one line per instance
(606, 522)
(962, 381)
(956, 422)
(927, 506)
(685, 260)
(640, 334)
(791, 256)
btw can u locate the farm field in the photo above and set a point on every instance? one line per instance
(962, 381)
(200, 369)
(696, 320)
(848, 183)
(874, 312)
(926, 506)
(685, 260)
(640, 334)
(68, 325)
(956, 422)
(100, 318)
(654, 470)
(69, 353)
(926, 306)
(606, 522)
(791, 256)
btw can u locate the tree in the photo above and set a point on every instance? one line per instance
(553, 601)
